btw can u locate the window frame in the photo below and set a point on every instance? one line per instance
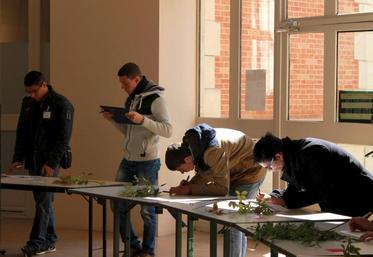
(329, 24)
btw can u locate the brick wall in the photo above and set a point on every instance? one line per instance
(306, 76)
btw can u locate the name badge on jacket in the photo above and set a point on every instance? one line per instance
(46, 115)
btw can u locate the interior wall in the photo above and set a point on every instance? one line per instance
(89, 41)
(177, 70)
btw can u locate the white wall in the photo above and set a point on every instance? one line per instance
(177, 70)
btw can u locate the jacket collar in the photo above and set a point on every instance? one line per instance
(139, 88)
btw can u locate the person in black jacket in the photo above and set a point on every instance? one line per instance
(43, 135)
(317, 171)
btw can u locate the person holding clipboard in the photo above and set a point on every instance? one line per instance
(142, 121)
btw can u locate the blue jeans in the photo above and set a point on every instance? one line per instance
(238, 240)
(43, 232)
(126, 172)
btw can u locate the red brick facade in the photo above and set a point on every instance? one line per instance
(306, 95)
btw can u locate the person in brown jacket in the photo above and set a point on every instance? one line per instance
(223, 163)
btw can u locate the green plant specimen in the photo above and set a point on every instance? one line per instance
(306, 233)
(259, 207)
(73, 179)
(350, 250)
(139, 188)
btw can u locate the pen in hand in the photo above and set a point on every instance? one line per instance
(185, 182)
(366, 216)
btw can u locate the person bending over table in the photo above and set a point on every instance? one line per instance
(317, 172)
(222, 160)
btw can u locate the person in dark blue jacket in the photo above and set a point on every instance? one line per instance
(317, 172)
(43, 134)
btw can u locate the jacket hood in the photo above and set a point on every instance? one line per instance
(198, 139)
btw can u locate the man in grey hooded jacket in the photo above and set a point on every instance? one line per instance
(149, 117)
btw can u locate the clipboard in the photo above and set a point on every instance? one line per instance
(118, 114)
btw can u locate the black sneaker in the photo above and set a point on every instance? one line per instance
(27, 251)
(49, 249)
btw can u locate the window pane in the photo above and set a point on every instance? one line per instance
(355, 76)
(305, 8)
(355, 6)
(257, 59)
(306, 91)
(214, 58)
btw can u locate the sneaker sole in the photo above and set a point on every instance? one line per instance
(46, 251)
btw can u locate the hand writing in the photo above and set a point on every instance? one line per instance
(180, 190)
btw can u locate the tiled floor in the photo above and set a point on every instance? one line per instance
(74, 243)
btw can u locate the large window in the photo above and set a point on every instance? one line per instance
(297, 68)
(306, 80)
(214, 58)
(257, 41)
(255, 52)
(355, 6)
(355, 76)
(305, 8)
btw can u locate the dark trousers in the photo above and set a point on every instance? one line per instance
(43, 233)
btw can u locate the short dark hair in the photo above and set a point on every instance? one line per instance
(129, 70)
(34, 78)
(267, 147)
(175, 155)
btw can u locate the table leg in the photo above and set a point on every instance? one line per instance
(213, 239)
(90, 224)
(116, 229)
(227, 244)
(190, 238)
(274, 252)
(127, 235)
(178, 235)
(103, 227)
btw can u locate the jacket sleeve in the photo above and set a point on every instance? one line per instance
(214, 181)
(21, 134)
(161, 125)
(64, 124)
(294, 198)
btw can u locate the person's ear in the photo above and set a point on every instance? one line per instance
(138, 79)
(188, 159)
(279, 156)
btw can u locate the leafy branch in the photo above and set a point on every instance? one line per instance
(139, 187)
(350, 250)
(73, 179)
(306, 233)
(259, 207)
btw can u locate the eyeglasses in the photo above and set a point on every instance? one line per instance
(267, 165)
(33, 90)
